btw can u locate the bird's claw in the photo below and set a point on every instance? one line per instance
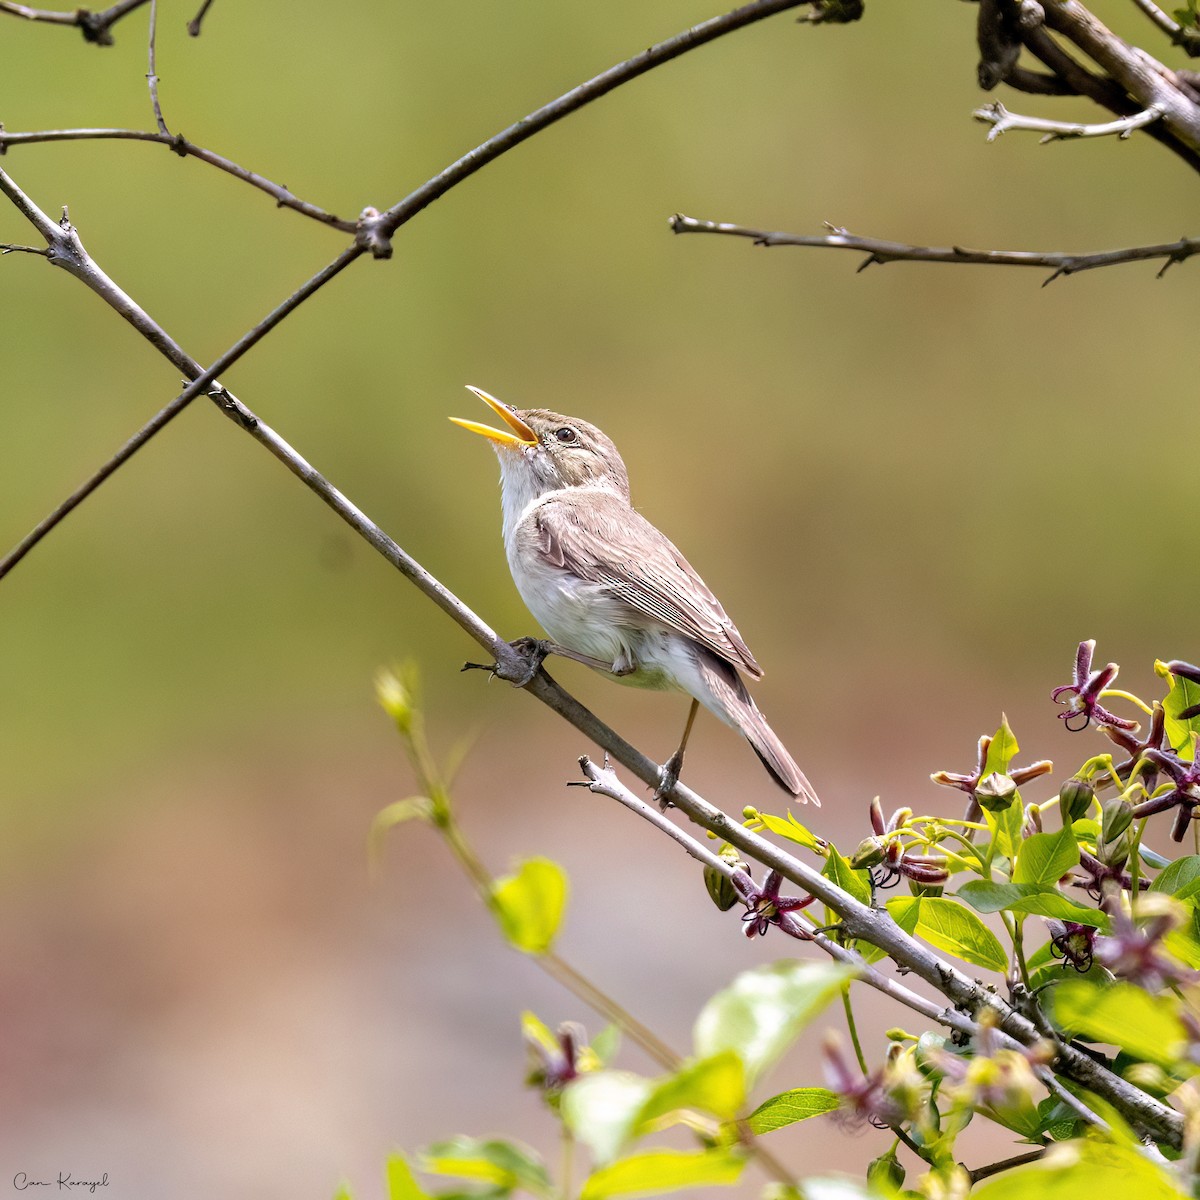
(520, 672)
(668, 777)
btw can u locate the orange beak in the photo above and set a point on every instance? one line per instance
(520, 437)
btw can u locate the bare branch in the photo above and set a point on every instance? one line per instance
(1144, 78)
(569, 102)
(96, 27)
(1001, 121)
(373, 232)
(193, 26)
(879, 251)
(65, 249)
(1188, 39)
(152, 77)
(1017, 1160)
(185, 149)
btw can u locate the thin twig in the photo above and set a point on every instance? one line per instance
(152, 77)
(1017, 1160)
(373, 232)
(1188, 39)
(185, 149)
(66, 250)
(193, 26)
(604, 781)
(1001, 121)
(879, 251)
(569, 102)
(96, 27)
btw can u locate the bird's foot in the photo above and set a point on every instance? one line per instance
(668, 777)
(521, 670)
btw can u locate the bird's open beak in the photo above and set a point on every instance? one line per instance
(521, 436)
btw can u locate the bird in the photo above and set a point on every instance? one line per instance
(609, 588)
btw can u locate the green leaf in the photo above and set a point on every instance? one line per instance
(1180, 879)
(1083, 1170)
(789, 1107)
(857, 883)
(503, 1164)
(1046, 857)
(343, 1192)
(1123, 1015)
(663, 1171)
(1005, 827)
(793, 831)
(987, 896)
(1002, 750)
(1181, 694)
(602, 1108)
(763, 1011)
(529, 905)
(715, 1085)
(401, 1185)
(950, 926)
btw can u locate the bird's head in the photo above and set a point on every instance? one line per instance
(542, 451)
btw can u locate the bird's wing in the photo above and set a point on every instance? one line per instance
(600, 538)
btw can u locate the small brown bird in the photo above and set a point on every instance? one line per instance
(609, 588)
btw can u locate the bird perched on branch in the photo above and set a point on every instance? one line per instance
(609, 588)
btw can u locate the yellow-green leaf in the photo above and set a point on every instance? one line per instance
(1083, 1170)
(792, 830)
(529, 904)
(664, 1171)
(787, 1108)
(1002, 750)
(762, 1012)
(401, 1185)
(1045, 858)
(950, 926)
(715, 1085)
(1182, 694)
(1121, 1014)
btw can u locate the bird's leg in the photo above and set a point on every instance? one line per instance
(533, 652)
(668, 773)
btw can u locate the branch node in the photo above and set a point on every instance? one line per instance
(94, 27)
(370, 234)
(179, 145)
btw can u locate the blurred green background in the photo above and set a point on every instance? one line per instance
(915, 490)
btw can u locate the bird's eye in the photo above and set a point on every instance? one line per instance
(566, 435)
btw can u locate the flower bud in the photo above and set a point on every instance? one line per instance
(1074, 799)
(995, 792)
(885, 1172)
(720, 888)
(1115, 854)
(395, 695)
(1117, 814)
(927, 869)
(870, 853)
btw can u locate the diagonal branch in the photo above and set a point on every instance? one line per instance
(1188, 39)
(373, 232)
(879, 251)
(185, 149)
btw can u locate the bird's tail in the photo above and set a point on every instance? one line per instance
(729, 700)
